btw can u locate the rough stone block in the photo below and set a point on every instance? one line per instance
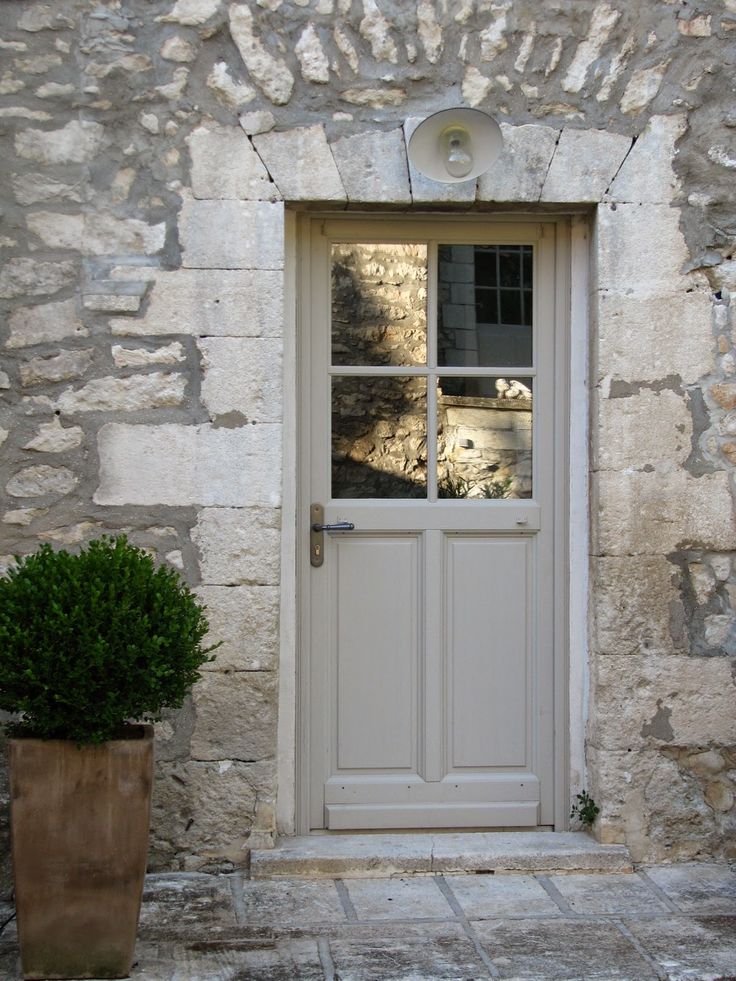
(52, 437)
(207, 809)
(97, 234)
(242, 375)
(235, 716)
(232, 234)
(271, 74)
(184, 465)
(640, 250)
(301, 164)
(59, 367)
(238, 546)
(646, 176)
(246, 620)
(45, 323)
(657, 513)
(645, 338)
(519, 172)
(426, 191)
(35, 277)
(643, 702)
(41, 481)
(237, 303)
(126, 357)
(647, 801)
(637, 607)
(225, 165)
(648, 430)
(584, 165)
(152, 391)
(373, 167)
(77, 142)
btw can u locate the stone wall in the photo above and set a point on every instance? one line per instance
(148, 149)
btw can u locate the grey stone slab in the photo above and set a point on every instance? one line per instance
(288, 904)
(624, 895)
(407, 958)
(566, 851)
(698, 888)
(690, 948)
(186, 904)
(390, 899)
(344, 856)
(553, 950)
(350, 856)
(373, 167)
(491, 896)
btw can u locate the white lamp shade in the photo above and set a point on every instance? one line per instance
(469, 134)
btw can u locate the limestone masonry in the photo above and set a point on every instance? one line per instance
(152, 154)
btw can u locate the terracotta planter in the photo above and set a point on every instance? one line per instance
(79, 823)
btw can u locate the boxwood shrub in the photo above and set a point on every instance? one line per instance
(91, 641)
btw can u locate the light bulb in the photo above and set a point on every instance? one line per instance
(458, 158)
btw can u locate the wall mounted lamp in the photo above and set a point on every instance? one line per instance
(455, 145)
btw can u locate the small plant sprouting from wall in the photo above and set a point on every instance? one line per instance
(584, 809)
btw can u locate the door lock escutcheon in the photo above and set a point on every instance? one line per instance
(317, 528)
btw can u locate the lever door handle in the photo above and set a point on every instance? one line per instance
(317, 527)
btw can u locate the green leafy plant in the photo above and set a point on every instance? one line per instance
(91, 641)
(497, 489)
(585, 809)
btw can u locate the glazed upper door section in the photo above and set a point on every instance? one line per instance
(438, 431)
(428, 425)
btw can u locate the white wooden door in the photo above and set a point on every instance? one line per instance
(428, 368)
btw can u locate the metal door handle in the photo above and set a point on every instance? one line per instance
(316, 533)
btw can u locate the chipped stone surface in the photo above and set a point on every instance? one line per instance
(647, 431)
(242, 375)
(131, 394)
(40, 481)
(236, 303)
(183, 465)
(301, 164)
(640, 249)
(246, 620)
(376, 29)
(52, 437)
(520, 171)
(238, 546)
(646, 175)
(229, 91)
(642, 88)
(225, 165)
(232, 235)
(602, 22)
(126, 357)
(34, 188)
(34, 277)
(192, 13)
(313, 61)
(584, 165)
(373, 167)
(77, 142)
(58, 367)
(248, 730)
(45, 322)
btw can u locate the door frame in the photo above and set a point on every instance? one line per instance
(570, 502)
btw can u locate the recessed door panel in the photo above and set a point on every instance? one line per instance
(488, 633)
(377, 651)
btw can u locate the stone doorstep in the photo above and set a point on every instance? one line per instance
(384, 855)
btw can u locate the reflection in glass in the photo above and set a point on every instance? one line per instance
(379, 437)
(379, 304)
(484, 438)
(485, 305)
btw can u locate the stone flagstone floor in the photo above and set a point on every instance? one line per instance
(672, 923)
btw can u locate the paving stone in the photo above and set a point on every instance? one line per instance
(697, 888)
(490, 896)
(553, 950)
(389, 899)
(288, 904)
(422, 958)
(186, 904)
(625, 895)
(689, 949)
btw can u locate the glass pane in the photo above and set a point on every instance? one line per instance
(379, 304)
(485, 305)
(484, 438)
(379, 437)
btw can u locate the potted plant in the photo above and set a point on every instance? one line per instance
(89, 644)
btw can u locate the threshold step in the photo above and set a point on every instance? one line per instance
(383, 855)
